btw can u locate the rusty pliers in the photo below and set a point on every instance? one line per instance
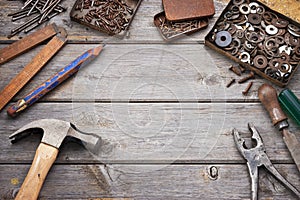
(257, 157)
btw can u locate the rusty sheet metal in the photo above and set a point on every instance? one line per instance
(178, 10)
(289, 8)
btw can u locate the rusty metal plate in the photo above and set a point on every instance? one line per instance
(112, 17)
(172, 30)
(290, 8)
(179, 10)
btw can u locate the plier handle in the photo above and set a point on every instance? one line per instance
(257, 157)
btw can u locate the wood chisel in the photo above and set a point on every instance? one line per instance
(54, 81)
(34, 66)
(268, 96)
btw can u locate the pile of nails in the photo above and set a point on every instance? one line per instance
(170, 30)
(38, 12)
(239, 70)
(111, 15)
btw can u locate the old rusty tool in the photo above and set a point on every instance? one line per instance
(33, 67)
(257, 157)
(27, 43)
(268, 96)
(54, 133)
(54, 81)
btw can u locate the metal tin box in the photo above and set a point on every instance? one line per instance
(259, 38)
(172, 30)
(110, 16)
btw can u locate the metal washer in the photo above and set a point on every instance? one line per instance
(223, 39)
(271, 30)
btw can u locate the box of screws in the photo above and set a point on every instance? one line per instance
(258, 38)
(110, 16)
(172, 30)
(38, 12)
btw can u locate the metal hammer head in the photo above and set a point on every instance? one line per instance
(55, 131)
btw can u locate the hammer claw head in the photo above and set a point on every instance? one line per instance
(55, 131)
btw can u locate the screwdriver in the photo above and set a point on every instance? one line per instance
(54, 81)
(268, 97)
(291, 104)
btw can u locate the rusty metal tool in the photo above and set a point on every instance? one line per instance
(34, 66)
(268, 96)
(54, 81)
(54, 133)
(25, 44)
(257, 157)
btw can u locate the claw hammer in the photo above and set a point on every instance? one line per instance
(55, 131)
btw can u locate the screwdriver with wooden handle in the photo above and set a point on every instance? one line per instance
(268, 97)
(54, 81)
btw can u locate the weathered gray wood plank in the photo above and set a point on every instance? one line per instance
(146, 72)
(150, 132)
(149, 182)
(142, 28)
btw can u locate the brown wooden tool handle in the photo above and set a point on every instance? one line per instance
(268, 97)
(44, 158)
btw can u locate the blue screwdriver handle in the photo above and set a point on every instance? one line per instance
(54, 81)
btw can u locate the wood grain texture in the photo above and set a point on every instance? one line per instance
(44, 158)
(141, 30)
(30, 70)
(150, 132)
(163, 110)
(150, 182)
(149, 72)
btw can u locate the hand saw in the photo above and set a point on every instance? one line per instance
(59, 38)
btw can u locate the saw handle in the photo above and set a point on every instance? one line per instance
(268, 97)
(44, 158)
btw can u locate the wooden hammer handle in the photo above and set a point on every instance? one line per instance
(44, 158)
(268, 97)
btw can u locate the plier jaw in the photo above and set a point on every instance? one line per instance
(241, 146)
(257, 157)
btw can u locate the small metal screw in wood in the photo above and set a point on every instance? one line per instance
(213, 173)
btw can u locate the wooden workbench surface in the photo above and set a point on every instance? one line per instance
(163, 111)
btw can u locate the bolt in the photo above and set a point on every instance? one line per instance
(250, 76)
(230, 83)
(245, 92)
(236, 70)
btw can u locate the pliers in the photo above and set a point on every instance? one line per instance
(257, 157)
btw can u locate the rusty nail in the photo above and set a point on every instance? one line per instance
(243, 69)
(245, 92)
(230, 83)
(236, 70)
(250, 76)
